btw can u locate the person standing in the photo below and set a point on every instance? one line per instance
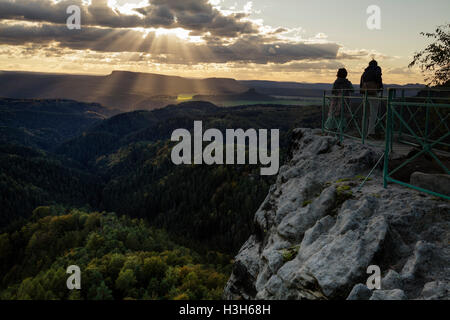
(341, 87)
(372, 83)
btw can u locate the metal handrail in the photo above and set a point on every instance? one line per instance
(396, 124)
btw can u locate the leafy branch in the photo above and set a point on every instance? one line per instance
(434, 60)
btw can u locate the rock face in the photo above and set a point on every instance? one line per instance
(435, 182)
(317, 233)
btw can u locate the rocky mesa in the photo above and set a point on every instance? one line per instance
(317, 232)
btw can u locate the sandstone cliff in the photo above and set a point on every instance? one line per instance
(317, 233)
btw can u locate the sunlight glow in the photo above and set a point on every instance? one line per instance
(180, 33)
(127, 8)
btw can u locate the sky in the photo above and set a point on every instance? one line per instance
(282, 40)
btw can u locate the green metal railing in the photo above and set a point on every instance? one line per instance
(422, 122)
(415, 117)
(353, 113)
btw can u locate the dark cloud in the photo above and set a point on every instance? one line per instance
(227, 38)
(256, 49)
(98, 39)
(253, 49)
(194, 15)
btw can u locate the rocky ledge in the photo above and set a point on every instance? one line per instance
(317, 233)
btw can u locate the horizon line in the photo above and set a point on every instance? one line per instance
(193, 78)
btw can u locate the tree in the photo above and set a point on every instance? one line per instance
(154, 267)
(95, 242)
(434, 60)
(5, 251)
(126, 280)
(103, 292)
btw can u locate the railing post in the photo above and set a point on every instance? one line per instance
(341, 124)
(391, 136)
(387, 149)
(427, 117)
(364, 121)
(324, 102)
(401, 114)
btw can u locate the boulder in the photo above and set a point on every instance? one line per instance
(439, 183)
(395, 294)
(436, 290)
(391, 281)
(360, 292)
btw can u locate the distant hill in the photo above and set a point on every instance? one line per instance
(128, 91)
(46, 123)
(313, 90)
(122, 90)
(30, 177)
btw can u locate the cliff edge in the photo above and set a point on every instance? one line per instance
(317, 233)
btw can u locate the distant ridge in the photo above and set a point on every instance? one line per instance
(121, 89)
(303, 89)
(40, 123)
(128, 91)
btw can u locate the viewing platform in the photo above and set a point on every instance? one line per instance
(412, 126)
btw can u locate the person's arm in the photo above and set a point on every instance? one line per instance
(334, 91)
(349, 90)
(361, 84)
(352, 89)
(380, 79)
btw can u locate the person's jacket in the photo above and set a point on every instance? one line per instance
(342, 85)
(372, 80)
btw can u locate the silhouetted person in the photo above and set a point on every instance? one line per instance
(341, 87)
(372, 83)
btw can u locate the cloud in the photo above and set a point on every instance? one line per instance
(307, 66)
(358, 54)
(97, 39)
(225, 36)
(253, 48)
(257, 49)
(194, 15)
(401, 71)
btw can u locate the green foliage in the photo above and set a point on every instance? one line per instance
(343, 193)
(112, 266)
(434, 60)
(103, 292)
(29, 179)
(206, 204)
(45, 124)
(306, 203)
(342, 188)
(123, 165)
(290, 253)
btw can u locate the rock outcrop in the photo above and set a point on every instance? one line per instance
(435, 182)
(318, 232)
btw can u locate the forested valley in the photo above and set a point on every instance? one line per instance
(81, 185)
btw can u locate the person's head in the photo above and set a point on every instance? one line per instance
(373, 63)
(342, 73)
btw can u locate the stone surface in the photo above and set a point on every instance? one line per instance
(360, 292)
(317, 233)
(436, 290)
(435, 182)
(391, 281)
(395, 294)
